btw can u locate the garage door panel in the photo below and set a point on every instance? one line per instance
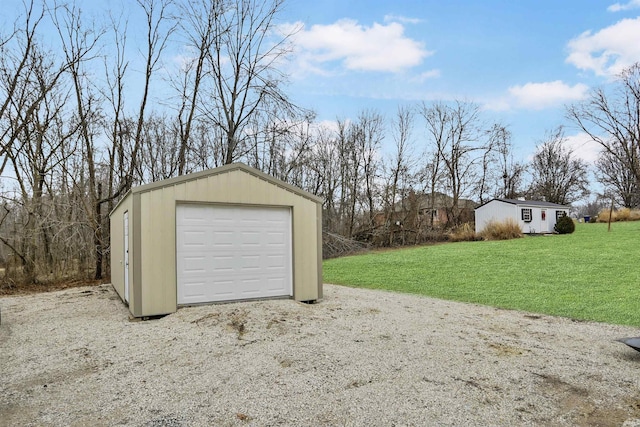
(276, 261)
(194, 290)
(194, 237)
(193, 216)
(195, 265)
(246, 252)
(222, 238)
(250, 286)
(250, 263)
(250, 222)
(275, 238)
(276, 284)
(250, 239)
(222, 264)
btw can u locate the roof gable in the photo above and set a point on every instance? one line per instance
(217, 171)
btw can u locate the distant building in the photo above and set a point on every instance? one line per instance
(430, 210)
(533, 216)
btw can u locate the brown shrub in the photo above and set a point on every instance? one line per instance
(503, 230)
(464, 233)
(623, 214)
(603, 216)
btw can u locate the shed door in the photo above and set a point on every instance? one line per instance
(232, 252)
(126, 256)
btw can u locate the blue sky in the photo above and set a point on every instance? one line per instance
(522, 61)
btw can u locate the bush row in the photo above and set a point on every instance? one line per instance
(624, 214)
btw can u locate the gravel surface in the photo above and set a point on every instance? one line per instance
(358, 358)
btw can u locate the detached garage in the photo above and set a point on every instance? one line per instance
(225, 234)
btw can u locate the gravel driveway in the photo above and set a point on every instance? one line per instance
(358, 358)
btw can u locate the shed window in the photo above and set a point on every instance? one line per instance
(559, 214)
(526, 214)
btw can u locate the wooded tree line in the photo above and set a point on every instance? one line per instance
(86, 113)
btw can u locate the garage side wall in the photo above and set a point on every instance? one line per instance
(495, 211)
(117, 244)
(158, 232)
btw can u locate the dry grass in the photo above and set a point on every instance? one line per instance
(503, 230)
(464, 233)
(624, 214)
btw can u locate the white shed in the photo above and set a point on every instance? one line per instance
(533, 216)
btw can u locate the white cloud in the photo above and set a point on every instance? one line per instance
(402, 19)
(330, 126)
(617, 7)
(608, 51)
(497, 104)
(538, 96)
(427, 75)
(379, 47)
(583, 147)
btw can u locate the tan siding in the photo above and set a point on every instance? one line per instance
(235, 190)
(156, 259)
(306, 255)
(135, 251)
(222, 185)
(319, 249)
(158, 252)
(117, 246)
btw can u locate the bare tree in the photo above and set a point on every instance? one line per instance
(327, 169)
(159, 28)
(455, 133)
(500, 174)
(612, 119)
(401, 164)
(558, 176)
(618, 179)
(350, 162)
(42, 135)
(198, 24)
(36, 133)
(21, 55)
(293, 159)
(495, 137)
(243, 60)
(368, 132)
(79, 45)
(510, 171)
(159, 151)
(117, 127)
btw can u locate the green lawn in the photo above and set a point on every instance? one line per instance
(591, 274)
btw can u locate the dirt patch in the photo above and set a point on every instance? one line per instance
(8, 289)
(358, 358)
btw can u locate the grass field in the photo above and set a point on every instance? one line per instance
(591, 274)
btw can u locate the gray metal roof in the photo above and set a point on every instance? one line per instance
(536, 203)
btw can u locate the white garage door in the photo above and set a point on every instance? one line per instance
(230, 252)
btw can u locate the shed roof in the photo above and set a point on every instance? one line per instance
(220, 170)
(536, 203)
